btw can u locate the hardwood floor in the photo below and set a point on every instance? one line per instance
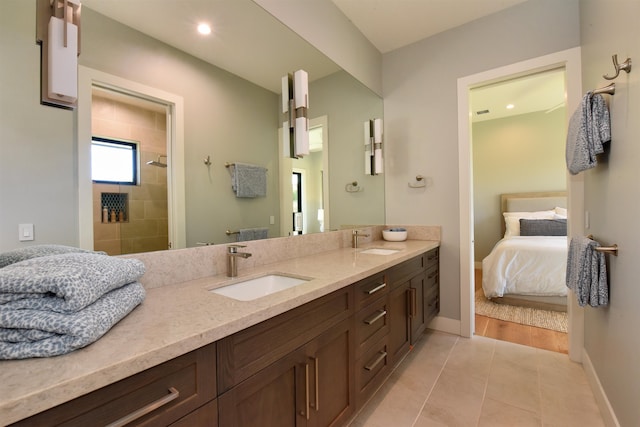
(520, 334)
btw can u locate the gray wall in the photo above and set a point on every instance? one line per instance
(348, 104)
(515, 154)
(612, 341)
(421, 122)
(38, 149)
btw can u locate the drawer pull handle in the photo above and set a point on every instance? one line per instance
(173, 395)
(380, 358)
(376, 289)
(374, 319)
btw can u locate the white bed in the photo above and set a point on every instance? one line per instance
(529, 270)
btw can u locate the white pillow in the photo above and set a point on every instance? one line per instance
(561, 212)
(512, 220)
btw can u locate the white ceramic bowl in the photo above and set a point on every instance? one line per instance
(394, 234)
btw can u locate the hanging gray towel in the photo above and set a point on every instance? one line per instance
(589, 128)
(587, 272)
(249, 180)
(245, 234)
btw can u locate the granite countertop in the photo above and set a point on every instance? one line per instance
(179, 318)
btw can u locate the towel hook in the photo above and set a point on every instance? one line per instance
(625, 66)
(207, 160)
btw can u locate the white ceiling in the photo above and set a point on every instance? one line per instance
(390, 24)
(249, 42)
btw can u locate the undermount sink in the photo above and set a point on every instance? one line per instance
(380, 251)
(255, 288)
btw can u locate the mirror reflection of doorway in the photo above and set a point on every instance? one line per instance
(130, 216)
(297, 217)
(307, 182)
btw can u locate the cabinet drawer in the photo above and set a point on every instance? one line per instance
(398, 274)
(431, 280)
(432, 303)
(432, 257)
(370, 289)
(372, 323)
(177, 387)
(206, 416)
(371, 370)
(250, 350)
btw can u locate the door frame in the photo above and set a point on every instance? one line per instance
(570, 60)
(87, 79)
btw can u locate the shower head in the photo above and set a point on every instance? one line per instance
(157, 162)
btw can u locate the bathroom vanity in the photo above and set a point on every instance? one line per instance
(310, 355)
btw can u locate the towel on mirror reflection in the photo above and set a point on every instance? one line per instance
(28, 333)
(587, 272)
(246, 234)
(64, 283)
(249, 180)
(589, 128)
(35, 251)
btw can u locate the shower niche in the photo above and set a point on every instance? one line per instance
(115, 207)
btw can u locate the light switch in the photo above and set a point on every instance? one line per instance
(25, 232)
(272, 220)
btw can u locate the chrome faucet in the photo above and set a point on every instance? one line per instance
(354, 238)
(232, 254)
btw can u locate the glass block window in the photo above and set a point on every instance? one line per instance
(114, 161)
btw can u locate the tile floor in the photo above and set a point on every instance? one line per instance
(447, 380)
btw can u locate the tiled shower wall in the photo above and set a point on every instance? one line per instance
(146, 225)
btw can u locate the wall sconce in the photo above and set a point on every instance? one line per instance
(373, 161)
(58, 34)
(295, 102)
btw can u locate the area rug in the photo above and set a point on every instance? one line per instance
(554, 320)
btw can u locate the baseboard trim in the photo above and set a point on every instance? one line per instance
(602, 401)
(444, 324)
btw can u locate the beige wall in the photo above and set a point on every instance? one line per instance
(517, 154)
(612, 341)
(421, 116)
(145, 227)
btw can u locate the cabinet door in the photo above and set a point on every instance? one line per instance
(399, 332)
(417, 316)
(272, 397)
(331, 382)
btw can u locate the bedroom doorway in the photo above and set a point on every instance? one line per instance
(569, 60)
(517, 140)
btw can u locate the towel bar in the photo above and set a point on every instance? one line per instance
(612, 250)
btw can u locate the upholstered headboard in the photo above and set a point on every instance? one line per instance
(531, 202)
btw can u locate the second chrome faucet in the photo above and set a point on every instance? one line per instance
(232, 255)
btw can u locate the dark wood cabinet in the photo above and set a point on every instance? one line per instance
(313, 366)
(311, 386)
(414, 299)
(158, 396)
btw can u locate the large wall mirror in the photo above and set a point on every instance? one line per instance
(229, 86)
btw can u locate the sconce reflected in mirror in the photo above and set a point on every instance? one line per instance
(295, 102)
(373, 161)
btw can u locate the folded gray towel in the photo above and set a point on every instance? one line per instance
(35, 251)
(587, 272)
(64, 283)
(589, 128)
(28, 333)
(249, 180)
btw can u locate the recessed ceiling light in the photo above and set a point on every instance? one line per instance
(204, 29)
(510, 107)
